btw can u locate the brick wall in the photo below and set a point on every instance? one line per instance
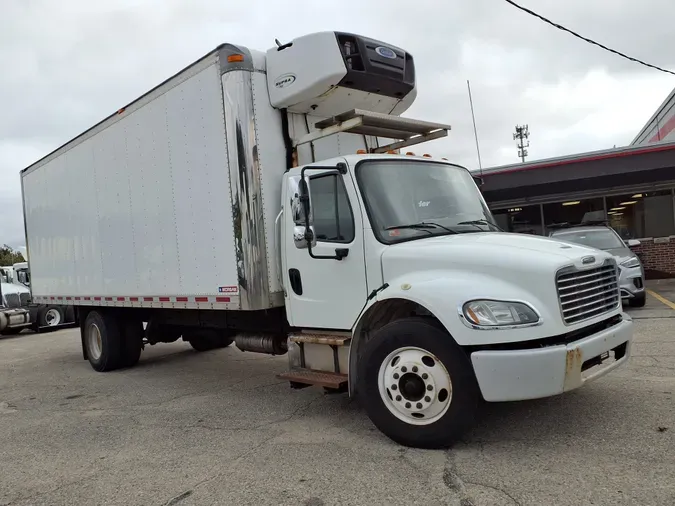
(658, 257)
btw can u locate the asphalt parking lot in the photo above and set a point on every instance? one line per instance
(184, 428)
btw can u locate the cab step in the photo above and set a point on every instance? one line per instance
(330, 339)
(301, 378)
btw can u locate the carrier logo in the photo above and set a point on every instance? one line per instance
(284, 81)
(228, 289)
(385, 52)
(587, 260)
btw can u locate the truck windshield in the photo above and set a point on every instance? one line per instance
(410, 199)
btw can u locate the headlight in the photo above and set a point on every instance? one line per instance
(630, 263)
(495, 313)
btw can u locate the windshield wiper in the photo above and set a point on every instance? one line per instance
(480, 222)
(424, 225)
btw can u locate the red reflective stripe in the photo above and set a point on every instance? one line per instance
(165, 299)
(201, 299)
(121, 299)
(69, 298)
(147, 299)
(87, 298)
(222, 299)
(181, 299)
(109, 298)
(97, 298)
(133, 299)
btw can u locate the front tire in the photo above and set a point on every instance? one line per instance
(51, 316)
(418, 385)
(638, 301)
(102, 341)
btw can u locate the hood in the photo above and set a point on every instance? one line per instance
(621, 254)
(511, 257)
(13, 288)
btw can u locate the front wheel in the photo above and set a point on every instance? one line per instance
(418, 385)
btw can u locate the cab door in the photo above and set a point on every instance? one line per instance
(324, 279)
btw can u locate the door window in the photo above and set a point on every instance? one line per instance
(332, 215)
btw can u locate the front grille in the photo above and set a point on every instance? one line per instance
(12, 300)
(587, 293)
(25, 299)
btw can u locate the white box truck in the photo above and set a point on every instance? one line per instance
(259, 198)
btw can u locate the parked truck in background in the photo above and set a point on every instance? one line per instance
(16, 282)
(259, 198)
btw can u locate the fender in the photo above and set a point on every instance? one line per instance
(442, 293)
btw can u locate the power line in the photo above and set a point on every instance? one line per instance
(590, 41)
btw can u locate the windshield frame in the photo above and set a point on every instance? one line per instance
(393, 240)
(570, 232)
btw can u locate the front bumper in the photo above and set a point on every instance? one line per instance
(631, 282)
(514, 375)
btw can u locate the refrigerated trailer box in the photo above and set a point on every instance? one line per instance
(262, 198)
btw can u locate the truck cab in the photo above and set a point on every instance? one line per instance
(440, 306)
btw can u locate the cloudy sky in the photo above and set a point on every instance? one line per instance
(67, 64)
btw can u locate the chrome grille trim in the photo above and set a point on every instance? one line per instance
(13, 300)
(587, 293)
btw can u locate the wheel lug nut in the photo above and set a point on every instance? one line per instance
(430, 388)
(395, 375)
(404, 369)
(419, 405)
(394, 387)
(398, 398)
(425, 376)
(407, 405)
(427, 399)
(414, 369)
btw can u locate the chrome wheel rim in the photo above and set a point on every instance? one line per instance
(415, 386)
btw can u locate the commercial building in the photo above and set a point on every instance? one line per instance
(632, 187)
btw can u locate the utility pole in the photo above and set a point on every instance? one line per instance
(522, 133)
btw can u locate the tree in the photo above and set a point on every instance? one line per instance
(9, 256)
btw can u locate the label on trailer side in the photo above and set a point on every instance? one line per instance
(233, 290)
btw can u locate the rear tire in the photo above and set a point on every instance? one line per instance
(131, 343)
(207, 340)
(638, 301)
(102, 341)
(417, 384)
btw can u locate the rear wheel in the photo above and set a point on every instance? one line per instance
(638, 301)
(131, 343)
(206, 340)
(418, 384)
(102, 341)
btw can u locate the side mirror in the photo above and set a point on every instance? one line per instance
(301, 209)
(632, 243)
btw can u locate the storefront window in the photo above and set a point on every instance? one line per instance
(641, 215)
(574, 212)
(522, 220)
